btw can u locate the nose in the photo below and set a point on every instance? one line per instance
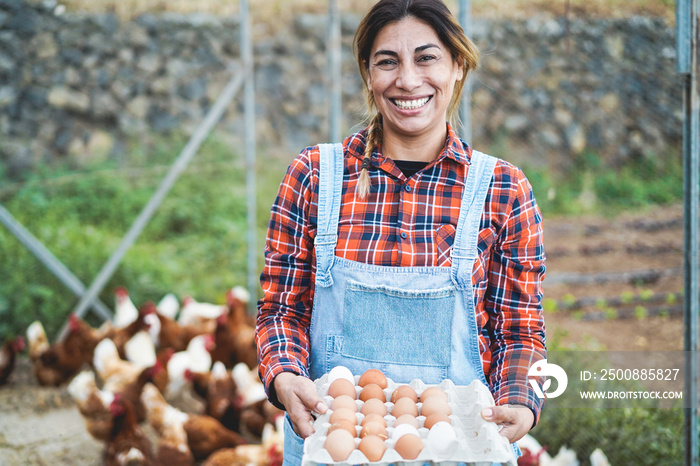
(408, 77)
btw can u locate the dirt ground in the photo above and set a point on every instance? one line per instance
(634, 261)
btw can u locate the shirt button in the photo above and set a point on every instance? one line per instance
(404, 235)
(407, 188)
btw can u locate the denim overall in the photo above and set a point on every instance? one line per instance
(408, 322)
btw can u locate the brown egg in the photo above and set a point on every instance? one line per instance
(344, 401)
(374, 428)
(409, 446)
(343, 413)
(374, 405)
(345, 424)
(372, 390)
(373, 447)
(430, 391)
(339, 444)
(404, 406)
(373, 376)
(434, 418)
(407, 419)
(404, 391)
(342, 387)
(435, 404)
(373, 417)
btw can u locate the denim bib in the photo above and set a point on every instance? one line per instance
(408, 322)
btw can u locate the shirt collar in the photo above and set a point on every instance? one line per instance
(455, 148)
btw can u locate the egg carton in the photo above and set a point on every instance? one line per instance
(477, 441)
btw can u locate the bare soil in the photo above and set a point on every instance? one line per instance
(634, 258)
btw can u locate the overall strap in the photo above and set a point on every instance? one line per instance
(464, 249)
(329, 193)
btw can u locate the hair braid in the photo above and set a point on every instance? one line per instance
(374, 137)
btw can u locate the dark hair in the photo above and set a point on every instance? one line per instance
(436, 15)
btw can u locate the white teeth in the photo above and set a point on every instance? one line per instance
(411, 104)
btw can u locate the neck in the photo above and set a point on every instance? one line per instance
(418, 148)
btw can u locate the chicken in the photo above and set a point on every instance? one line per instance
(269, 453)
(125, 312)
(205, 434)
(199, 314)
(38, 343)
(93, 404)
(120, 336)
(167, 333)
(127, 443)
(168, 422)
(237, 299)
(62, 360)
(218, 390)
(8, 356)
(234, 336)
(598, 458)
(115, 373)
(255, 409)
(168, 306)
(196, 358)
(535, 454)
(140, 350)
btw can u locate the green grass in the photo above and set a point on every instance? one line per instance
(195, 244)
(592, 187)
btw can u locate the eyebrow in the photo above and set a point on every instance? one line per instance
(394, 54)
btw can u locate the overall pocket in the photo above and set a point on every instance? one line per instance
(390, 325)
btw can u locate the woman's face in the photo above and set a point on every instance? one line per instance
(411, 74)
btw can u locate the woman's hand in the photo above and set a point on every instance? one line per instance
(516, 420)
(298, 395)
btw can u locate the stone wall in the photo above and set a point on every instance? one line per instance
(81, 86)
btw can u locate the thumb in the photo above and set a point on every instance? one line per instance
(310, 399)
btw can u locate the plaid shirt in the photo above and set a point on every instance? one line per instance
(507, 277)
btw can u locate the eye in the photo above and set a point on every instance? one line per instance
(386, 64)
(426, 58)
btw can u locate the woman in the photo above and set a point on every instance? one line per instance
(403, 249)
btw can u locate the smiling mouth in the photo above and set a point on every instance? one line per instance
(411, 104)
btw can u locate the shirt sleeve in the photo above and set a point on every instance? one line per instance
(514, 297)
(284, 312)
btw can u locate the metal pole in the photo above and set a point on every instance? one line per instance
(465, 111)
(50, 261)
(687, 12)
(177, 168)
(249, 125)
(335, 70)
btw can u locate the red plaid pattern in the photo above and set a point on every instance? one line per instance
(410, 222)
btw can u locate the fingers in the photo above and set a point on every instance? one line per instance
(298, 395)
(516, 420)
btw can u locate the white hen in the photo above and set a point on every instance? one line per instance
(196, 358)
(168, 306)
(199, 314)
(125, 311)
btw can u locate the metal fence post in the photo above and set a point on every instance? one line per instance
(250, 138)
(687, 12)
(335, 71)
(50, 261)
(465, 19)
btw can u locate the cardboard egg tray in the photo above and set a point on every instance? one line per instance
(477, 442)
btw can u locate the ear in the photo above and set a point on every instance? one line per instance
(460, 72)
(369, 77)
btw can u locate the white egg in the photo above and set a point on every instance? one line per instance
(340, 372)
(442, 438)
(403, 429)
